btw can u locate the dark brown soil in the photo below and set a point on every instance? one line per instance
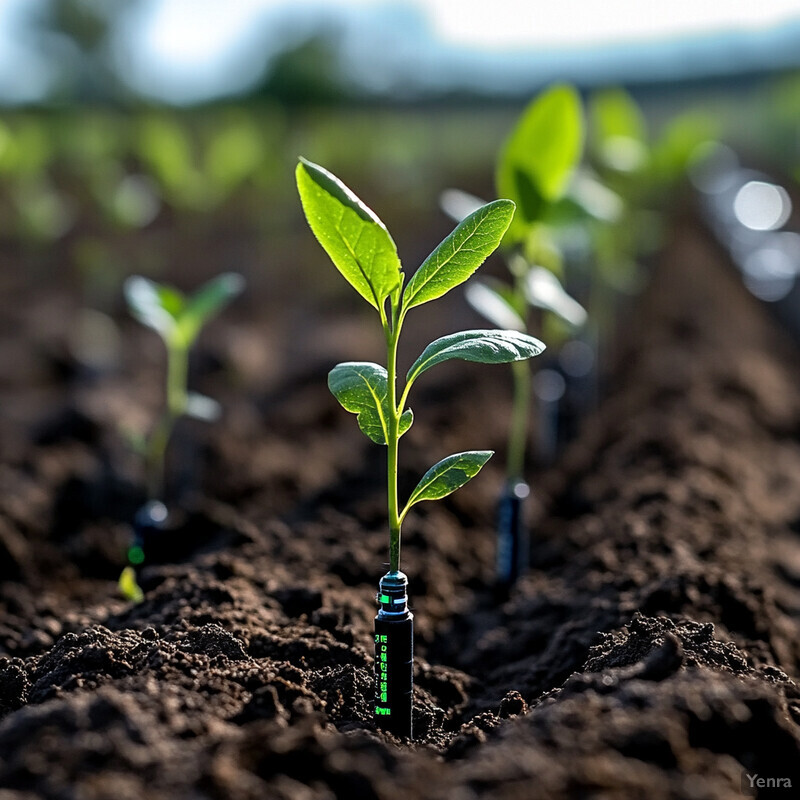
(652, 651)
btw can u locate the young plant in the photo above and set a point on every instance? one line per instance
(361, 248)
(536, 168)
(642, 169)
(178, 320)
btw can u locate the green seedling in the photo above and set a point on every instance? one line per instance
(538, 169)
(641, 168)
(178, 320)
(535, 169)
(129, 587)
(362, 250)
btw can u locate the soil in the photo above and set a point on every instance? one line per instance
(651, 652)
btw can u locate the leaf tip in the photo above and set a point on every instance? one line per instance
(304, 170)
(507, 208)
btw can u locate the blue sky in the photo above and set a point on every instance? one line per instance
(192, 49)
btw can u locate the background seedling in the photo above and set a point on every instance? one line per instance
(361, 248)
(641, 169)
(536, 169)
(178, 320)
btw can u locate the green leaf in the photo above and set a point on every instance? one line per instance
(588, 196)
(613, 114)
(618, 131)
(170, 313)
(483, 347)
(154, 305)
(544, 290)
(460, 254)
(539, 157)
(449, 474)
(208, 300)
(350, 233)
(128, 586)
(362, 388)
(491, 305)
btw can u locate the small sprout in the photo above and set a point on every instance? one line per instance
(178, 320)
(129, 587)
(538, 169)
(361, 248)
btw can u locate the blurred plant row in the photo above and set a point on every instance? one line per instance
(89, 168)
(62, 171)
(85, 168)
(65, 170)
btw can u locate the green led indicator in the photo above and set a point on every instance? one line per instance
(136, 554)
(385, 598)
(383, 712)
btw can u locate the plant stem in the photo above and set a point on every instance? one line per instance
(518, 431)
(393, 426)
(155, 456)
(176, 399)
(520, 413)
(177, 369)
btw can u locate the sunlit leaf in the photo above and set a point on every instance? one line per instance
(154, 305)
(449, 474)
(351, 234)
(544, 290)
(593, 198)
(482, 346)
(618, 130)
(538, 159)
(491, 305)
(128, 586)
(460, 254)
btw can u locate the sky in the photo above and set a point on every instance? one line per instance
(495, 25)
(197, 47)
(580, 22)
